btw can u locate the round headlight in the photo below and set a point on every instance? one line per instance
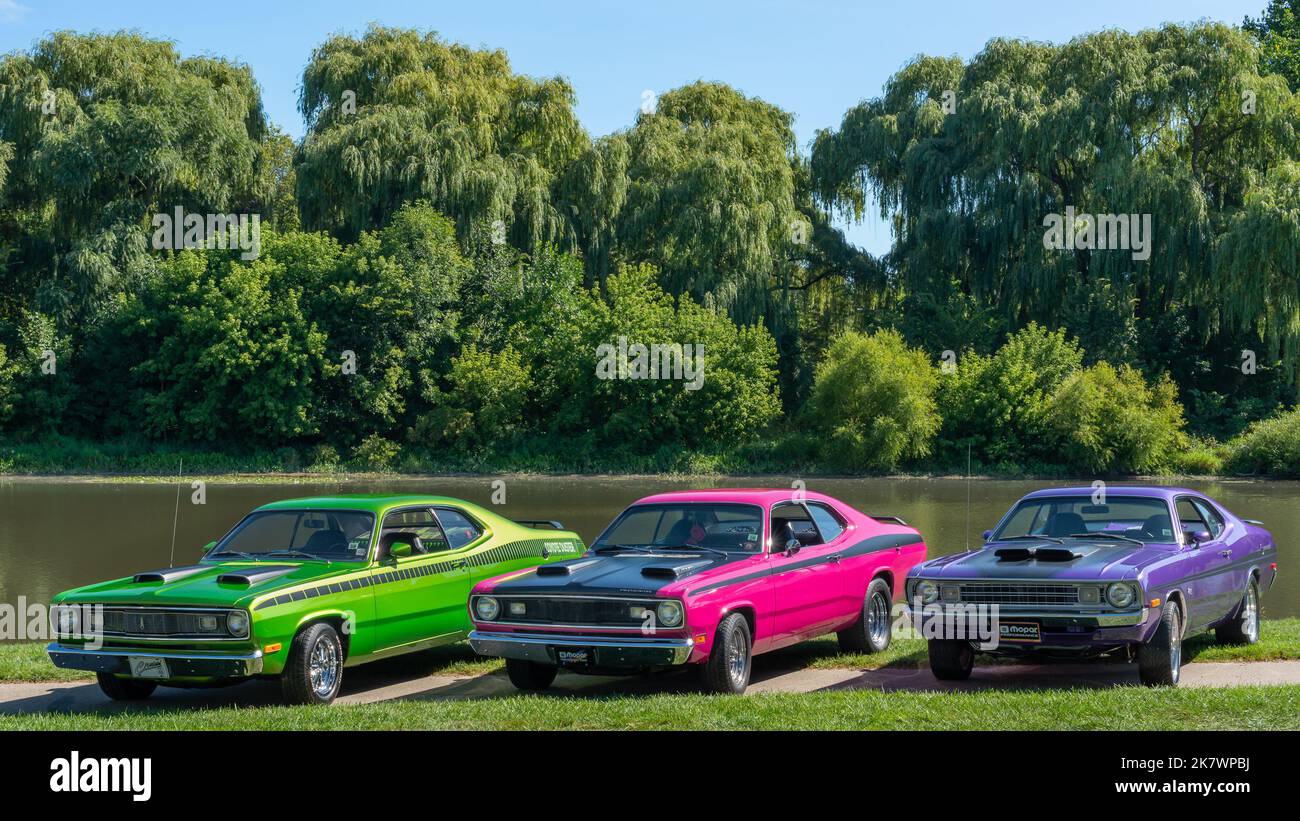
(928, 592)
(669, 613)
(487, 608)
(1120, 595)
(237, 623)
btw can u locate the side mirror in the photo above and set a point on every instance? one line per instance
(1200, 536)
(399, 550)
(792, 547)
(986, 534)
(207, 548)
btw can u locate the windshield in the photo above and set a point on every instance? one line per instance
(729, 527)
(333, 535)
(1063, 516)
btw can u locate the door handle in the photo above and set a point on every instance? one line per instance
(457, 564)
(835, 557)
(1227, 554)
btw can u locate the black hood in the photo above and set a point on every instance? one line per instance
(616, 573)
(1071, 559)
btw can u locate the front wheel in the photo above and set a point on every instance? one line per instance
(1160, 660)
(125, 689)
(871, 632)
(529, 675)
(727, 670)
(951, 659)
(314, 671)
(1244, 629)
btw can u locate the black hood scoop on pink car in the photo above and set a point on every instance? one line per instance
(171, 574)
(1042, 554)
(253, 576)
(673, 571)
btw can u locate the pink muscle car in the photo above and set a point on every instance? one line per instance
(705, 578)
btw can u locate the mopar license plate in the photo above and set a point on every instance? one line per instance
(574, 657)
(1022, 631)
(147, 667)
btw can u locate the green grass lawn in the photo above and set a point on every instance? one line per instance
(1117, 708)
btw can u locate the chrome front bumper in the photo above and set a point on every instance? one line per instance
(192, 664)
(608, 652)
(1007, 613)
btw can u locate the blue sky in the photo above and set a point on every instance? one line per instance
(813, 58)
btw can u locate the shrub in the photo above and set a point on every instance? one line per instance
(1107, 420)
(375, 453)
(873, 397)
(1271, 446)
(1201, 457)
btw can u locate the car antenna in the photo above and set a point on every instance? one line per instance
(968, 497)
(176, 514)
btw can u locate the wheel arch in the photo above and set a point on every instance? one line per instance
(334, 618)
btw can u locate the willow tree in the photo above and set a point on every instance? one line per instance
(702, 187)
(398, 116)
(98, 132)
(970, 161)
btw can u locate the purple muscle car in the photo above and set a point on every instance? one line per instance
(1089, 571)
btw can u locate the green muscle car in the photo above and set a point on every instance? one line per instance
(300, 589)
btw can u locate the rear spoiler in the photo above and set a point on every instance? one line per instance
(551, 523)
(893, 519)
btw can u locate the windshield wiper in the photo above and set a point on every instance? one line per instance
(301, 554)
(1029, 536)
(1107, 536)
(241, 554)
(614, 548)
(721, 553)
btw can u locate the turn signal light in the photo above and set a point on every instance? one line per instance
(700, 638)
(1155, 602)
(272, 648)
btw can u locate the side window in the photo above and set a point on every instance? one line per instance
(1189, 517)
(422, 523)
(1210, 516)
(791, 521)
(458, 527)
(827, 521)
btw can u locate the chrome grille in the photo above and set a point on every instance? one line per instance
(1004, 593)
(160, 622)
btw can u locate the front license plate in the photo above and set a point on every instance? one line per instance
(1028, 632)
(147, 667)
(570, 657)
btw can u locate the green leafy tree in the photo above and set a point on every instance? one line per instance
(1269, 447)
(1104, 420)
(100, 132)
(1278, 30)
(397, 116)
(874, 398)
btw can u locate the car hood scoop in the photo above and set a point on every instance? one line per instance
(1042, 554)
(257, 575)
(171, 574)
(672, 571)
(565, 569)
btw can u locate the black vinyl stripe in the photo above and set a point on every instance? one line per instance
(871, 545)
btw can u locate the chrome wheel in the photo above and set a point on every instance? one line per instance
(1250, 614)
(324, 667)
(737, 658)
(878, 619)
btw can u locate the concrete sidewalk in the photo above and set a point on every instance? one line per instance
(376, 683)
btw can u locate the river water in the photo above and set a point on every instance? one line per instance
(56, 533)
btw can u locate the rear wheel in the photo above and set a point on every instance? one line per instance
(529, 675)
(314, 672)
(871, 632)
(124, 689)
(1161, 659)
(727, 670)
(1244, 628)
(951, 659)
